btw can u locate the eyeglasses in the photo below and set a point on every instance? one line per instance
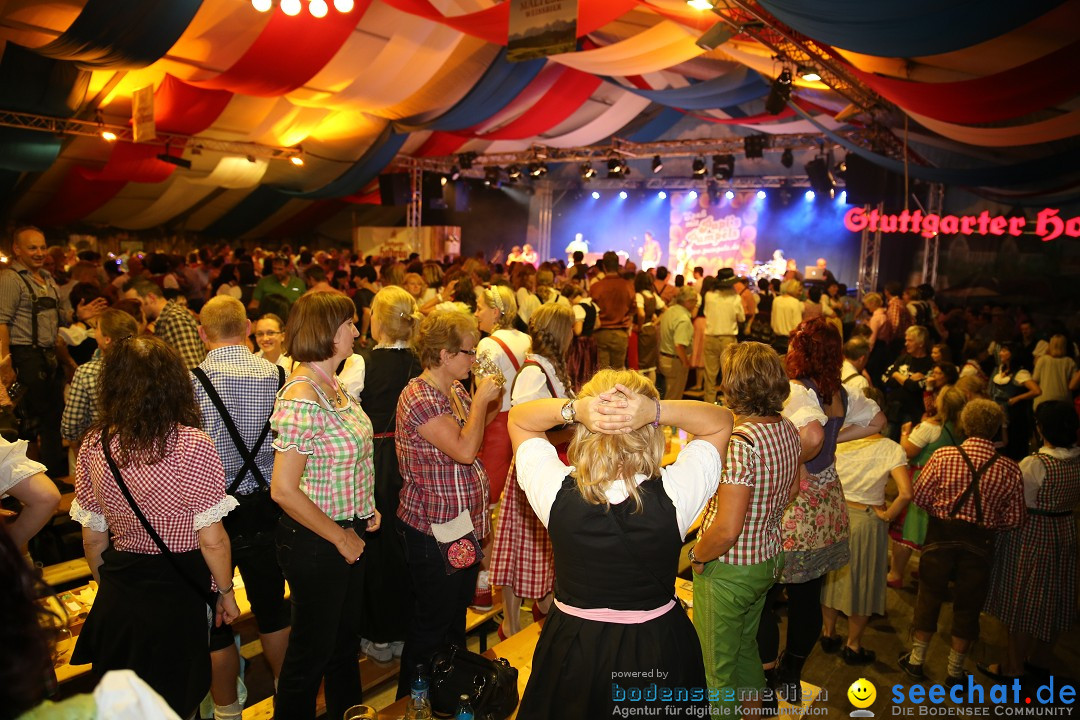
(471, 353)
(267, 333)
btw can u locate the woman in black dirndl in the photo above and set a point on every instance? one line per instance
(616, 639)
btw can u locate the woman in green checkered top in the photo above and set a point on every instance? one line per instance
(739, 554)
(324, 481)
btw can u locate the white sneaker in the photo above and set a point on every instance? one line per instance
(379, 652)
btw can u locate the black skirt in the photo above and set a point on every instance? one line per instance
(148, 619)
(583, 670)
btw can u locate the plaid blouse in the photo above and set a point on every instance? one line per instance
(178, 328)
(437, 487)
(81, 407)
(339, 475)
(764, 457)
(179, 496)
(946, 476)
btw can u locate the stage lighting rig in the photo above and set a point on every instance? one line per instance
(723, 167)
(754, 145)
(657, 164)
(513, 173)
(588, 172)
(787, 159)
(455, 172)
(699, 167)
(466, 159)
(821, 177)
(491, 175)
(617, 168)
(779, 93)
(538, 169)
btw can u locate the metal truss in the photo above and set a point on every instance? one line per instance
(869, 258)
(932, 246)
(73, 127)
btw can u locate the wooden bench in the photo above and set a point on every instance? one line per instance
(372, 674)
(66, 572)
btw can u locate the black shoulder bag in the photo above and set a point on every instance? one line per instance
(208, 595)
(490, 684)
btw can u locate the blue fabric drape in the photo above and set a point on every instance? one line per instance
(906, 28)
(1055, 166)
(263, 202)
(500, 84)
(122, 34)
(730, 89)
(41, 86)
(655, 128)
(366, 169)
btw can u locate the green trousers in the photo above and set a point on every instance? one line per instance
(727, 609)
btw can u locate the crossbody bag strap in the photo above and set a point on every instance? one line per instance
(509, 353)
(200, 591)
(248, 455)
(635, 555)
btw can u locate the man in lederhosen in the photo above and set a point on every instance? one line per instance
(970, 492)
(236, 393)
(31, 312)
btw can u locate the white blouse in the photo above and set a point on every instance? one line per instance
(801, 407)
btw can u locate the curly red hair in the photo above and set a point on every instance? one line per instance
(815, 351)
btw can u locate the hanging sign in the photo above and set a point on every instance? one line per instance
(1048, 224)
(142, 114)
(539, 28)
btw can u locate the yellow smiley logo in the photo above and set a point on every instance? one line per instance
(862, 693)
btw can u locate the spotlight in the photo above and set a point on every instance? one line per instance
(821, 177)
(443, 180)
(262, 5)
(808, 73)
(729, 195)
(290, 7)
(616, 167)
(297, 160)
(588, 172)
(761, 194)
(809, 195)
(318, 8)
(723, 166)
(700, 4)
(491, 176)
(538, 169)
(843, 196)
(108, 136)
(250, 159)
(754, 145)
(595, 195)
(779, 93)
(787, 159)
(693, 193)
(466, 159)
(514, 173)
(343, 6)
(455, 172)
(662, 195)
(699, 167)
(622, 194)
(657, 164)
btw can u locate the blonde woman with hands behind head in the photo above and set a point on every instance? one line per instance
(617, 522)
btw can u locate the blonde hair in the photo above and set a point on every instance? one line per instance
(502, 299)
(443, 330)
(754, 379)
(116, 325)
(950, 403)
(551, 328)
(973, 385)
(982, 418)
(872, 300)
(223, 317)
(1056, 346)
(603, 459)
(395, 309)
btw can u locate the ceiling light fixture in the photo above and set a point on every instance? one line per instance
(588, 172)
(787, 159)
(538, 169)
(491, 176)
(699, 167)
(262, 5)
(700, 4)
(779, 93)
(723, 167)
(291, 7)
(344, 6)
(514, 173)
(617, 168)
(808, 73)
(318, 8)
(455, 172)
(657, 164)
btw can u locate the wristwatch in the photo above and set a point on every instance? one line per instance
(568, 413)
(693, 558)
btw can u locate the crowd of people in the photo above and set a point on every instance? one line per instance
(397, 437)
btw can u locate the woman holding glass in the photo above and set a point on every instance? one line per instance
(324, 482)
(444, 498)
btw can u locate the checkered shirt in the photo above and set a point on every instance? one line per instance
(764, 457)
(248, 386)
(81, 408)
(945, 477)
(899, 318)
(178, 328)
(339, 475)
(179, 496)
(437, 487)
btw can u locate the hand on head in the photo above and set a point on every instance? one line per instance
(616, 411)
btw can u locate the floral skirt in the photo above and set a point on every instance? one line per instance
(815, 529)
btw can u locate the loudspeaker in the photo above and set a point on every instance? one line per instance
(394, 189)
(865, 182)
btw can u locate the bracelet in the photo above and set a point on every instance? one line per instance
(656, 422)
(693, 558)
(223, 593)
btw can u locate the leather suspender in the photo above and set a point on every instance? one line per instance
(973, 488)
(234, 434)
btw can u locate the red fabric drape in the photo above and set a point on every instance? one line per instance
(441, 144)
(367, 196)
(560, 102)
(1021, 90)
(178, 108)
(491, 24)
(288, 52)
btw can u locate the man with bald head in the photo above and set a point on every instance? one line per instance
(31, 314)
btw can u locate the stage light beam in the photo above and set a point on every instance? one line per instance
(729, 195)
(662, 195)
(622, 194)
(595, 195)
(761, 194)
(692, 195)
(809, 195)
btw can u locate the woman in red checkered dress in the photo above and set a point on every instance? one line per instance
(1033, 585)
(521, 561)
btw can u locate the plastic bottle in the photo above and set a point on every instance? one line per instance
(419, 707)
(465, 711)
